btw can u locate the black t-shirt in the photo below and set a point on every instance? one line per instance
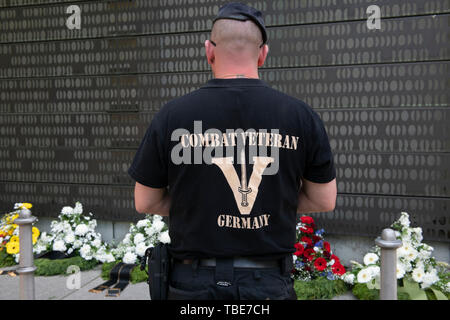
(232, 154)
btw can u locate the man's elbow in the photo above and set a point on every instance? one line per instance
(329, 204)
(142, 208)
(329, 207)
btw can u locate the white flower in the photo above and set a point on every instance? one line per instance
(424, 254)
(78, 208)
(66, 227)
(142, 223)
(96, 243)
(428, 280)
(140, 249)
(349, 278)
(69, 238)
(56, 226)
(59, 245)
(406, 251)
(92, 224)
(138, 238)
(404, 219)
(406, 235)
(418, 275)
(374, 270)
(129, 258)
(164, 237)
(158, 225)
(406, 264)
(126, 240)
(77, 244)
(400, 270)
(105, 257)
(81, 229)
(370, 258)
(67, 211)
(374, 283)
(38, 248)
(364, 276)
(417, 234)
(149, 231)
(85, 252)
(45, 238)
(412, 255)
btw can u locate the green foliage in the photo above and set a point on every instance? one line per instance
(136, 274)
(47, 267)
(412, 289)
(319, 288)
(361, 291)
(106, 269)
(408, 291)
(6, 260)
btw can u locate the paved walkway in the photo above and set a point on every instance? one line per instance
(55, 288)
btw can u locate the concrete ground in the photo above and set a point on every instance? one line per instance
(56, 288)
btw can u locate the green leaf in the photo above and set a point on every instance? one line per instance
(439, 295)
(413, 290)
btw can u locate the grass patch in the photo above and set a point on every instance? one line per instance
(319, 289)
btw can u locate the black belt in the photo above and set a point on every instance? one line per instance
(238, 262)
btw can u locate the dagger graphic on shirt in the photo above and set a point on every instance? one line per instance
(244, 189)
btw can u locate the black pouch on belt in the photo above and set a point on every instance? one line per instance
(158, 260)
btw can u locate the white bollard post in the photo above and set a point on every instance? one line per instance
(26, 259)
(388, 271)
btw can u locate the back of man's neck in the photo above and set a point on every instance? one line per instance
(235, 76)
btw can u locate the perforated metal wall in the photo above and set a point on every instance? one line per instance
(74, 104)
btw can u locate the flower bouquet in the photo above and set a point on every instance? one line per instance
(419, 275)
(9, 237)
(314, 260)
(146, 233)
(73, 234)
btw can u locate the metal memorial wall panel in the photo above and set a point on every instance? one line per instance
(413, 39)
(75, 103)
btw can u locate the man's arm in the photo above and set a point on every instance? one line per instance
(317, 197)
(151, 200)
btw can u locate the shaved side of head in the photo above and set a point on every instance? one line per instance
(237, 39)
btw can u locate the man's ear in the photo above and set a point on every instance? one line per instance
(263, 52)
(209, 48)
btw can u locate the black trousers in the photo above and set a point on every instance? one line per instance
(224, 282)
